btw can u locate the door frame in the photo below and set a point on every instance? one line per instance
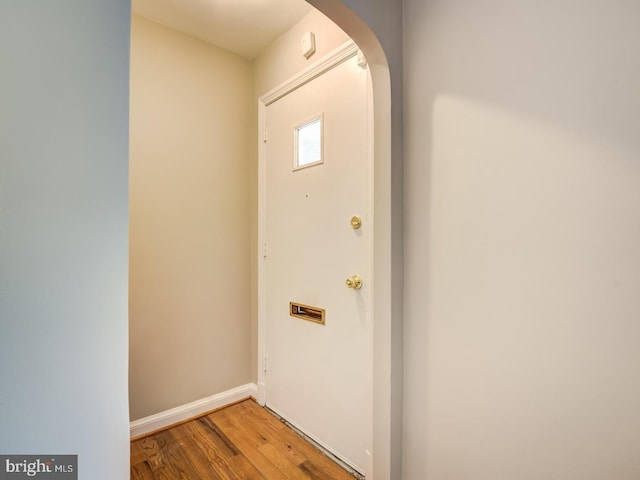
(333, 59)
(379, 252)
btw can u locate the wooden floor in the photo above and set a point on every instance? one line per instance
(243, 441)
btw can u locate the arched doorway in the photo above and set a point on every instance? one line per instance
(388, 252)
(386, 71)
(372, 25)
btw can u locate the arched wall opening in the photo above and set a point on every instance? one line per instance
(366, 26)
(377, 29)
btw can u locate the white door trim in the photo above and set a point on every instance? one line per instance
(341, 54)
(336, 57)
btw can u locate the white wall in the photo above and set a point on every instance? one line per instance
(191, 118)
(63, 232)
(522, 339)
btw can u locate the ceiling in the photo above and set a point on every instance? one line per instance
(244, 27)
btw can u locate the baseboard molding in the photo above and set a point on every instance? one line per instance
(261, 398)
(179, 414)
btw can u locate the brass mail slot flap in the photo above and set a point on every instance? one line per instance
(305, 312)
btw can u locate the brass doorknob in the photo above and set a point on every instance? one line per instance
(354, 282)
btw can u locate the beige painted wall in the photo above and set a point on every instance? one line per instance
(279, 62)
(522, 317)
(190, 294)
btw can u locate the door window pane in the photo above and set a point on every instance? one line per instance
(308, 138)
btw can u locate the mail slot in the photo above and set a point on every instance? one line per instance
(305, 312)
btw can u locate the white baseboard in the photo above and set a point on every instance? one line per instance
(261, 397)
(175, 415)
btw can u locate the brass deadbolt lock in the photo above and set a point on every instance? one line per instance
(354, 282)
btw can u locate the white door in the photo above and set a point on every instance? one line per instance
(319, 376)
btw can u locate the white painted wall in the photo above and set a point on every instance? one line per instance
(191, 119)
(522, 332)
(63, 232)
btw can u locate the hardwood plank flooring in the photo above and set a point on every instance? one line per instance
(241, 442)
